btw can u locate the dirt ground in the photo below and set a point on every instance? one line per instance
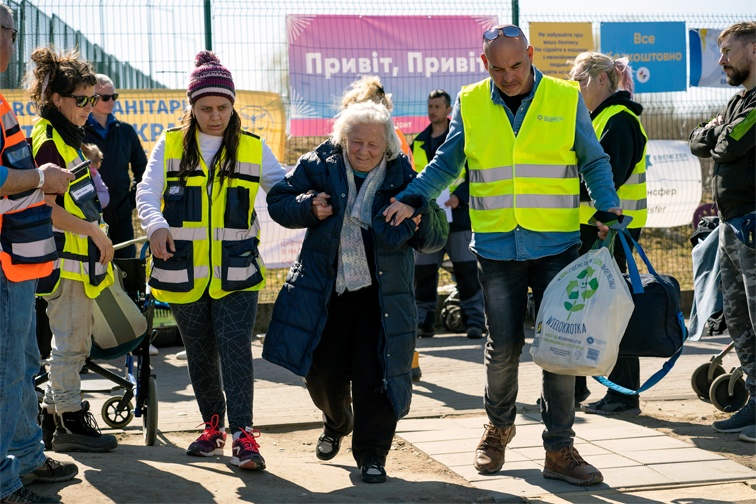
(165, 474)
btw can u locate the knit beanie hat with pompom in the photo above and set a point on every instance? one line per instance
(210, 78)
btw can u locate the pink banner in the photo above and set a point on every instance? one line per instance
(413, 55)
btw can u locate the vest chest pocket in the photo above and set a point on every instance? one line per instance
(182, 204)
(83, 194)
(26, 236)
(237, 208)
(240, 268)
(177, 273)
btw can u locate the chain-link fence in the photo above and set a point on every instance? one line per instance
(152, 43)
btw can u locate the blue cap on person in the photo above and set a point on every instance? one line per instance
(210, 78)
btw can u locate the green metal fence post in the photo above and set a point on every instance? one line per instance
(208, 26)
(516, 12)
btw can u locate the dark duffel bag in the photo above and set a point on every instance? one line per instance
(654, 329)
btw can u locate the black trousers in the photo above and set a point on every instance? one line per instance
(348, 354)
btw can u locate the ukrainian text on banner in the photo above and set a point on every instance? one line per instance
(151, 112)
(413, 55)
(656, 52)
(704, 59)
(673, 183)
(555, 45)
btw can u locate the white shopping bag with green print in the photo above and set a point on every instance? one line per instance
(583, 316)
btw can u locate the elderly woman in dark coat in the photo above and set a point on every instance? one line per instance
(346, 315)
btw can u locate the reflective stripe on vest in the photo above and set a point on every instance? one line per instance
(632, 193)
(530, 180)
(78, 255)
(27, 246)
(216, 237)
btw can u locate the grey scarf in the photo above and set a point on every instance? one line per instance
(353, 270)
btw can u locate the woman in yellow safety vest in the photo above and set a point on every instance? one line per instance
(62, 86)
(607, 88)
(196, 202)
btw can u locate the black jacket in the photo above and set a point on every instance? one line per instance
(120, 148)
(732, 145)
(301, 308)
(622, 139)
(461, 214)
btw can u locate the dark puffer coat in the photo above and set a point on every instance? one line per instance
(301, 309)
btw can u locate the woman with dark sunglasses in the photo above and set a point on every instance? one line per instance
(62, 87)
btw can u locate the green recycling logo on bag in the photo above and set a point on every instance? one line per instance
(579, 289)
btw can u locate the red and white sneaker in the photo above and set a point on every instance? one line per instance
(210, 442)
(246, 451)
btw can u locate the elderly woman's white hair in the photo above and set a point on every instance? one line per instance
(366, 113)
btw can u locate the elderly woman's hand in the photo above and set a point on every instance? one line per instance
(320, 206)
(397, 212)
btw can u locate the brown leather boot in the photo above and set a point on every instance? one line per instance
(489, 456)
(567, 465)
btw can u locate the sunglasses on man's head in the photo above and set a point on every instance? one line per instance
(107, 97)
(510, 31)
(81, 101)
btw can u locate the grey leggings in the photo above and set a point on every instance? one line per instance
(217, 334)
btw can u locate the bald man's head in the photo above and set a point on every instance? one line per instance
(508, 60)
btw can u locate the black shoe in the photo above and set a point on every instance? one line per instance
(51, 471)
(373, 473)
(23, 496)
(47, 422)
(475, 332)
(427, 328)
(78, 431)
(327, 447)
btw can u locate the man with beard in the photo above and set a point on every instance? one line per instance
(730, 139)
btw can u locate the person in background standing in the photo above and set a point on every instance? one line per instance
(730, 140)
(121, 149)
(465, 264)
(607, 88)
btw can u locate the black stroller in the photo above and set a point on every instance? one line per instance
(137, 381)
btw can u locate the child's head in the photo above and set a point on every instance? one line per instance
(93, 153)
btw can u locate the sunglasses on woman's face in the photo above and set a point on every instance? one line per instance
(81, 101)
(108, 97)
(510, 31)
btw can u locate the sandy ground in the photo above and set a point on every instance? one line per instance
(165, 474)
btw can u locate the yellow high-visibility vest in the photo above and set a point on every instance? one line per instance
(78, 257)
(632, 193)
(529, 180)
(216, 236)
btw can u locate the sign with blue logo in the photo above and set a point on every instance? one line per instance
(656, 52)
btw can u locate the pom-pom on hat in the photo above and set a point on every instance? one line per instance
(210, 78)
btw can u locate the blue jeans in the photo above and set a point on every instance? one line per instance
(505, 288)
(21, 448)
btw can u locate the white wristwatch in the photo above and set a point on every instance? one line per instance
(41, 178)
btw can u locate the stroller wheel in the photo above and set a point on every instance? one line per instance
(700, 382)
(720, 396)
(150, 414)
(114, 418)
(452, 317)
